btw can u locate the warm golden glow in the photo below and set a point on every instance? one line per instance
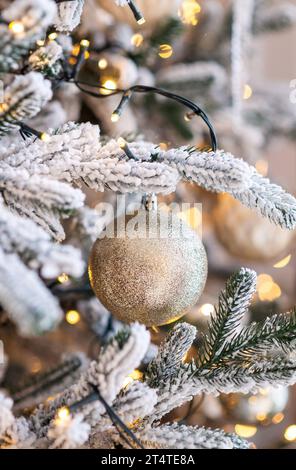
(16, 27)
(278, 418)
(121, 142)
(264, 391)
(40, 42)
(44, 137)
(262, 167)
(207, 309)
(63, 278)
(189, 11)
(283, 262)
(247, 92)
(135, 375)
(163, 146)
(267, 289)
(72, 317)
(84, 43)
(75, 50)
(108, 85)
(165, 51)
(103, 63)
(137, 39)
(245, 431)
(192, 217)
(261, 416)
(115, 117)
(52, 36)
(290, 433)
(63, 415)
(3, 107)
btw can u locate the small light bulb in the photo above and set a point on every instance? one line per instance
(63, 278)
(248, 92)
(108, 86)
(245, 431)
(137, 40)
(72, 317)
(103, 64)
(52, 36)
(63, 413)
(290, 433)
(141, 21)
(207, 310)
(115, 117)
(84, 43)
(45, 137)
(283, 262)
(165, 51)
(16, 27)
(121, 142)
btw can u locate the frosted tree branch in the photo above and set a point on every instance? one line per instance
(23, 99)
(175, 436)
(68, 16)
(35, 248)
(30, 306)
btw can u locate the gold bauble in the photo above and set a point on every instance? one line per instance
(246, 234)
(154, 11)
(153, 279)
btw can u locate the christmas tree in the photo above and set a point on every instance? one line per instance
(112, 114)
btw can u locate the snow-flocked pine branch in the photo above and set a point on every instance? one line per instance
(23, 99)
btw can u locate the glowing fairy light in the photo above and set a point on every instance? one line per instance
(137, 39)
(103, 63)
(63, 278)
(115, 117)
(124, 146)
(135, 375)
(16, 27)
(245, 431)
(62, 415)
(72, 317)
(290, 433)
(189, 11)
(119, 110)
(165, 51)
(248, 92)
(283, 262)
(45, 137)
(108, 86)
(267, 289)
(76, 49)
(84, 43)
(278, 418)
(52, 36)
(207, 310)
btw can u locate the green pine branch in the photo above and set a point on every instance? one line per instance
(233, 303)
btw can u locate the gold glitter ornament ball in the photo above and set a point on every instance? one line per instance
(152, 270)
